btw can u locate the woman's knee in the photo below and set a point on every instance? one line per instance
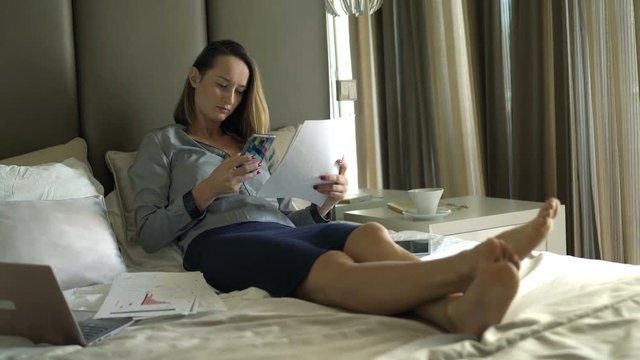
(368, 233)
(368, 239)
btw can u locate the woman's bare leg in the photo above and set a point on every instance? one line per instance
(525, 238)
(383, 287)
(372, 242)
(390, 287)
(483, 304)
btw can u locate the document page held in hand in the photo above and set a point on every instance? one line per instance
(314, 150)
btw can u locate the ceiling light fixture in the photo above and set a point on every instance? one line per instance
(351, 7)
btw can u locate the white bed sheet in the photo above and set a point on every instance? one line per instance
(566, 307)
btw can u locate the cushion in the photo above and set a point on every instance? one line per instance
(169, 258)
(119, 163)
(284, 136)
(73, 236)
(53, 181)
(76, 148)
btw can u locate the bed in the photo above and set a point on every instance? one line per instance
(66, 145)
(565, 307)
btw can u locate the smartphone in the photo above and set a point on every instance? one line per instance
(420, 247)
(258, 145)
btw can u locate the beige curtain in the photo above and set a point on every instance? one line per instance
(489, 41)
(428, 110)
(366, 69)
(521, 51)
(533, 84)
(605, 128)
(540, 98)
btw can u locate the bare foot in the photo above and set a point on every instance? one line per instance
(486, 300)
(490, 251)
(494, 250)
(523, 239)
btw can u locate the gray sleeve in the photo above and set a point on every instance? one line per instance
(306, 216)
(160, 220)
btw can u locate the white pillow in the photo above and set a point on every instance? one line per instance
(73, 236)
(55, 181)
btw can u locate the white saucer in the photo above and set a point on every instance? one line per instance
(412, 213)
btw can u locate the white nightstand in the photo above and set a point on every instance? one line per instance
(483, 217)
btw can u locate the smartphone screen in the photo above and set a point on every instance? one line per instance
(258, 145)
(419, 247)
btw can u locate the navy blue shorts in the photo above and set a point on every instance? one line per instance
(273, 257)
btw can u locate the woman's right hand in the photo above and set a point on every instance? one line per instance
(225, 179)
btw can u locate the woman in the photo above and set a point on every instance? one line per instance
(193, 189)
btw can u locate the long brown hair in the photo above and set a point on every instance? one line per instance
(251, 116)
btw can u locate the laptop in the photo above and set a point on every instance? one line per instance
(33, 306)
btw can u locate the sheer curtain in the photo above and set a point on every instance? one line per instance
(574, 118)
(427, 100)
(517, 99)
(605, 128)
(366, 68)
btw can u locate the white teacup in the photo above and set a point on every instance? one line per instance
(426, 199)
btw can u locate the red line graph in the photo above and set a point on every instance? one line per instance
(150, 300)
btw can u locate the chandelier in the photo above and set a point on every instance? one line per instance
(351, 7)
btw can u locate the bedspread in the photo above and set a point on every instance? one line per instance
(565, 307)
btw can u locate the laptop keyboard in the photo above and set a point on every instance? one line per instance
(92, 331)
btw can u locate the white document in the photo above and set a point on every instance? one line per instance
(150, 294)
(314, 151)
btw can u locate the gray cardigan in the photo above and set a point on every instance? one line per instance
(169, 163)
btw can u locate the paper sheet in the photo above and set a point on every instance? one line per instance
(314, 150)
(143, 295)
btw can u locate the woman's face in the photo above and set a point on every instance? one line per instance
(220, 90)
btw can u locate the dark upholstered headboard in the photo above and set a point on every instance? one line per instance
(111, 70)
(108, 71)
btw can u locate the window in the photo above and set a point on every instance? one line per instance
(340, 69)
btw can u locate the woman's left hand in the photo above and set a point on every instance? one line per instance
(335, 187)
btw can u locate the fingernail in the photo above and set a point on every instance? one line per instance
(259, 164)
(315, 187)
(257, 172)
(322, 177)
